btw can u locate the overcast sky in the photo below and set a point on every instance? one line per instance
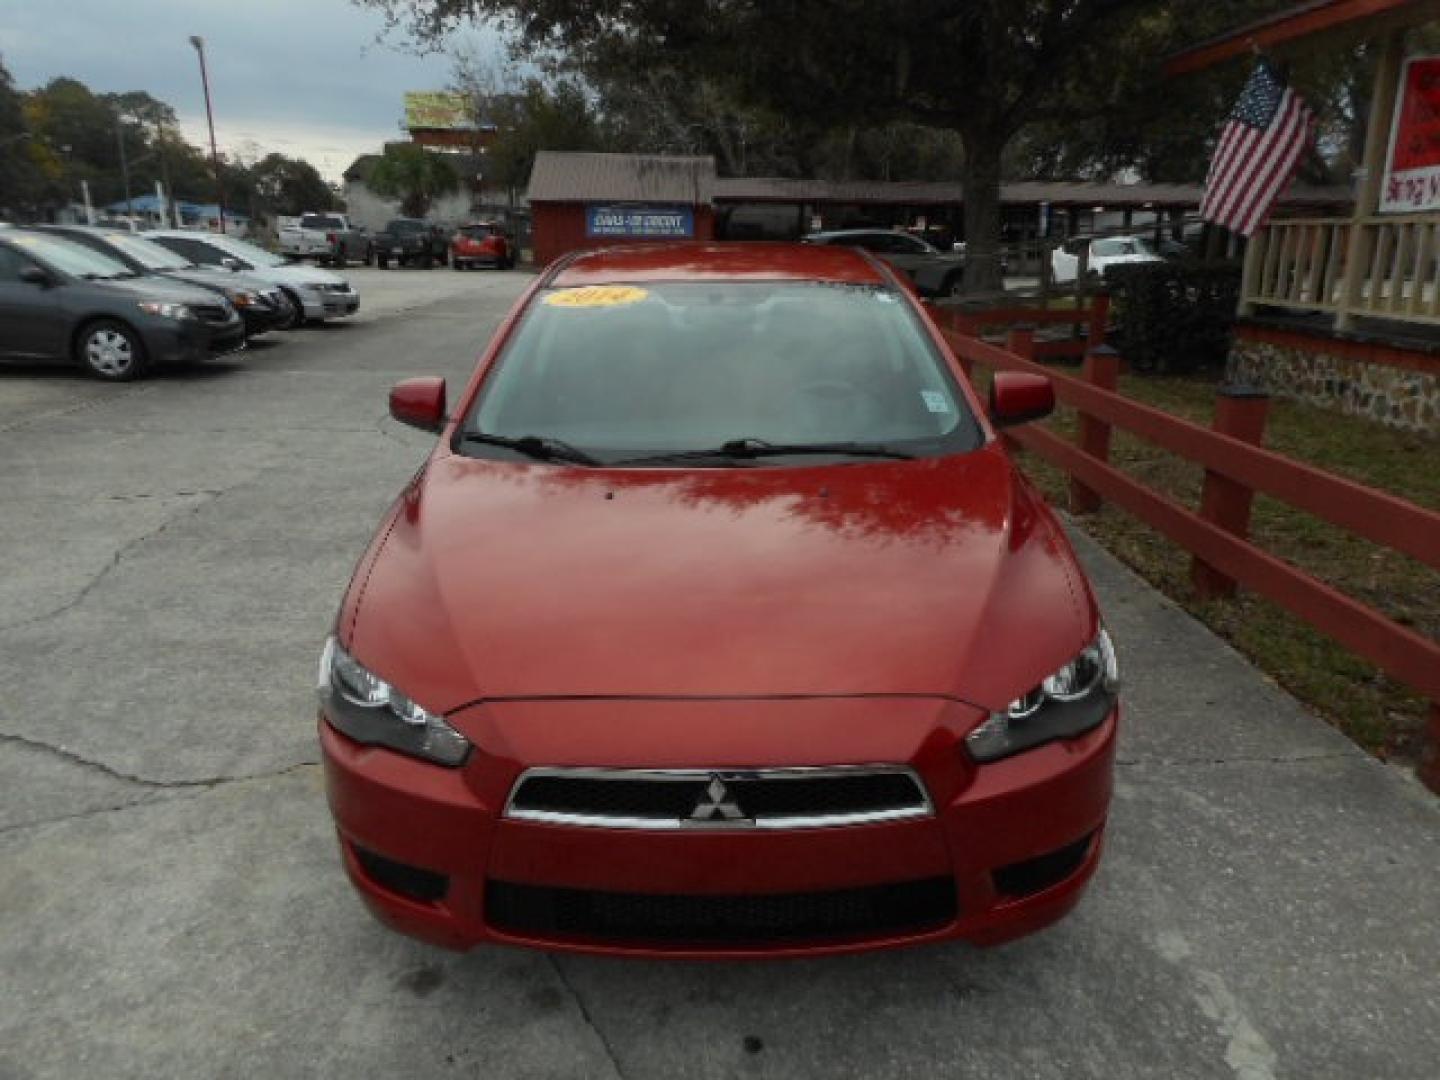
(303, 77)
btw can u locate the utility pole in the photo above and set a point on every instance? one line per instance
(199, 43)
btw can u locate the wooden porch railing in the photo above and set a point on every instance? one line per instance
(1305, 264)
(1217, 534)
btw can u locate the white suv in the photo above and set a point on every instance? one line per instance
(1105, 251)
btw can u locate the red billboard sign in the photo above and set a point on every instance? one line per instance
(1412, 174)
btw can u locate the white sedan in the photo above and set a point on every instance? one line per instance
(1105, 251)
(317, 294)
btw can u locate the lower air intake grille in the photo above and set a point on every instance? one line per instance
(735, 921)
(1037, 874)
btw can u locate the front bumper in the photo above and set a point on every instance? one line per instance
(1009, 849)
(261, 318)
(175, 342)
(330, 305)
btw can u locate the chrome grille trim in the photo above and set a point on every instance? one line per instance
(923, 807)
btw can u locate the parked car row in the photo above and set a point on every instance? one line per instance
(327, 238)
(336, 240)
(414, 242)
(119, 304)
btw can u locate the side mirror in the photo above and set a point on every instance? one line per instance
(231, 264)
(33, 275)
(1017, 397)
(419, 403)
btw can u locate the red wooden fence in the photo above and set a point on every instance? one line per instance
(1088, 320)
(1216, 535)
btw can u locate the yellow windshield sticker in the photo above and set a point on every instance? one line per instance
(591, 296)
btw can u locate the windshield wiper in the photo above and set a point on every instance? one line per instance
(749, 448)
(540, 447)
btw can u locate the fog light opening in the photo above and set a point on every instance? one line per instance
(411, 882)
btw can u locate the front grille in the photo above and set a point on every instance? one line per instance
(772, 798)
(735, 921)
(211, 313)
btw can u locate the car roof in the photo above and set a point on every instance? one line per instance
(835, 234)
(719, 262)
(89, 230)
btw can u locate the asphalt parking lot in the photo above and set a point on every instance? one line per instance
(173, 905)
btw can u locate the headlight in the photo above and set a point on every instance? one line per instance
(166, 311)
(1072, 701)
(371, 711)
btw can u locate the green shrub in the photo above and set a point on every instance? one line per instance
(1173, 317)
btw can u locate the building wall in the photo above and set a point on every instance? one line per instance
(373, 212)
(559, 228)
(1397, 387)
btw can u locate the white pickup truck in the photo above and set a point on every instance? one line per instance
(325, 238)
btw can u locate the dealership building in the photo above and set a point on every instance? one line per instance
(582, 200)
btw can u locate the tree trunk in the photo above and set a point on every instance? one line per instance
(980, 178)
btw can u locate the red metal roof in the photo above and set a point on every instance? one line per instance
(720, 262)
(563, 176)
(1301, 23)
(1085, 193)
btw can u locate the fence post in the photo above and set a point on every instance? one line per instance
(1101, 369)
(1430, 750)
(1021, 341)
(1099, 320)
(1240, 412)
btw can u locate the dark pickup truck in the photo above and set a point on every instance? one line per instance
(410, 240)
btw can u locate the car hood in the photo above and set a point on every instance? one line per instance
(300, 274)
(933, 577)
(206, 278)
(160, 289)
(1118, 260)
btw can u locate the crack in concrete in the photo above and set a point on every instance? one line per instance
(109, 771)
(142, 496)
(119, 556)
(1278, 759)
(389, 434)
(84, 406)
(585, 1015)
(97, 811)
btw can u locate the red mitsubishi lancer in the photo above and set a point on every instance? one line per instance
(719, 623)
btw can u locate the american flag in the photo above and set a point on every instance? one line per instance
(1259, 149)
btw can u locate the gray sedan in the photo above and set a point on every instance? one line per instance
(63, 302)
(934, 272)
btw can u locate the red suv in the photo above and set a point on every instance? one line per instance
(719, 622)
(481, 243)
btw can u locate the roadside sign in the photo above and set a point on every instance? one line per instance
(647, 222)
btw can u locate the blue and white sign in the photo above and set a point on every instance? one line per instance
(640, 222)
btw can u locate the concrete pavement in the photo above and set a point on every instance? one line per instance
(172, 902)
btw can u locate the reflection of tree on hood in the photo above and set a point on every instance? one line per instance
(922, 502)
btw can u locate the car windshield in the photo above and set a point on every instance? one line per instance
(319, 221)
(147, 253)
(1123, 245)
(249, 252)
(69, 257)
(477, 232)
(621, 371)
(403, 226)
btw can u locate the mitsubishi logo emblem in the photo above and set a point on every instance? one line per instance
(717, 807)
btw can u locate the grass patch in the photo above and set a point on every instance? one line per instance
(1381, 715)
